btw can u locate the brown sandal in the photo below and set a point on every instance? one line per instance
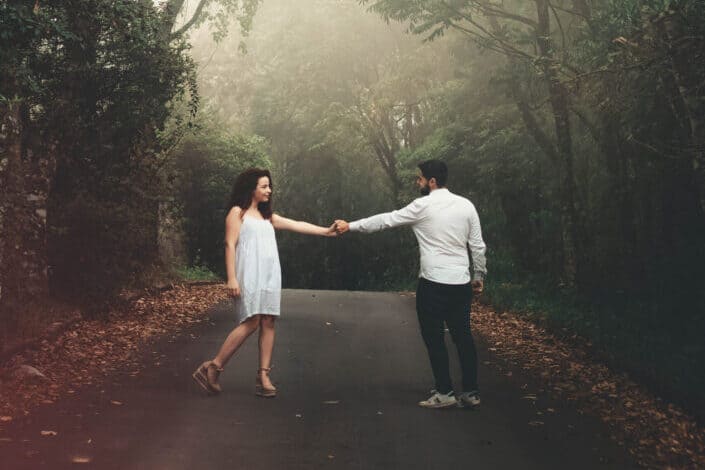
(260, 390)
(207, 377)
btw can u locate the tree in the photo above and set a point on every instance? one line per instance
(88, 88)
(512, 30)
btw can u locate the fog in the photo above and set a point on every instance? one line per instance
(575, 127)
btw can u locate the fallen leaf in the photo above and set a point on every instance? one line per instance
(49, 433)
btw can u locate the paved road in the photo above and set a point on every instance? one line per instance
(350, 367)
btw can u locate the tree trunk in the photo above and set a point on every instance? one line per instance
(683, 80)
(571, 213)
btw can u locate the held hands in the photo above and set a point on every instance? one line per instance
(233, 288)
(337, 228)
(341, 226)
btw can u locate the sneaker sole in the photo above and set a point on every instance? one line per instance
(468, 406)
(440, 406)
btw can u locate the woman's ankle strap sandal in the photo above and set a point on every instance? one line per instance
(260, 390)
(207, 377)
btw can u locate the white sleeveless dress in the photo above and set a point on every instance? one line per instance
(257, 269)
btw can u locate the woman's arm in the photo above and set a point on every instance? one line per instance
(232, 231)
(282, 223)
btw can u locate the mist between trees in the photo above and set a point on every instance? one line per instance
(576, 128)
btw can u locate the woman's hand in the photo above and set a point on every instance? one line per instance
(234, 288)
(332, 231)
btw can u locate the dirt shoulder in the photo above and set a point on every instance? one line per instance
(90, 350)
(656, 433)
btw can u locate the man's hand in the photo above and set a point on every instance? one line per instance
(477, 286)
(341, 226)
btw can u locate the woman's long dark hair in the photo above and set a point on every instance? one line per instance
(245, 185)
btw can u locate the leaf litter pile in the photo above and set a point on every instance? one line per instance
(91, 350)
(657, 434)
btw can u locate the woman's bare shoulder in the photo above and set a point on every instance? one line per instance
(234, 213)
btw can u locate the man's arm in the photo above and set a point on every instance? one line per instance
(410, 214)
(477, 247)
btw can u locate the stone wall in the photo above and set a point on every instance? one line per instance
(24, 186)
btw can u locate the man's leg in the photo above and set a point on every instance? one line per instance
(429, 303)
(458, 321)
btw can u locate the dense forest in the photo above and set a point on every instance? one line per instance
(575, 126)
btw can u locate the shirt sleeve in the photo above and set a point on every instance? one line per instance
(408, 215)
(477, 247)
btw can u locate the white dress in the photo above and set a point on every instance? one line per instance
(257, 269)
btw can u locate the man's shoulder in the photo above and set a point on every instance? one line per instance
(420, 201)
(459, 198)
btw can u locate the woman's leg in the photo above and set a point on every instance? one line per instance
(266, 346)
(235, 340)
(207, 373)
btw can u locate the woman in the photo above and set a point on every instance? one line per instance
(254, 275)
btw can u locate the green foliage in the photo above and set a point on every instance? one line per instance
(197, 273)
(218, 15)
(96, 83)
(205, 164)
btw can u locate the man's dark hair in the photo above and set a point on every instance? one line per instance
(244, 187)
(435, 169)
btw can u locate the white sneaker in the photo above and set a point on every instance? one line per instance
(439, 400)
(469, 400)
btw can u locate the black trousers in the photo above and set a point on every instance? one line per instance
(445, 304)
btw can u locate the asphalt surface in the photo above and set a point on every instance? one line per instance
(350, 368)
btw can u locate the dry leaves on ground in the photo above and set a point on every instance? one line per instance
(92, 349)
(657, 434)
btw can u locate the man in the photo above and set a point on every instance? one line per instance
(445, 225)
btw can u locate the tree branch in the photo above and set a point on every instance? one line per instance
(560, 25)
(196, 15)
(489, 10)
(532, 125)
(501, 46)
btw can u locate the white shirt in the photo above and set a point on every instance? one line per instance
(445, 224)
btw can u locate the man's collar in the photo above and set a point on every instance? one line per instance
(439, 191)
